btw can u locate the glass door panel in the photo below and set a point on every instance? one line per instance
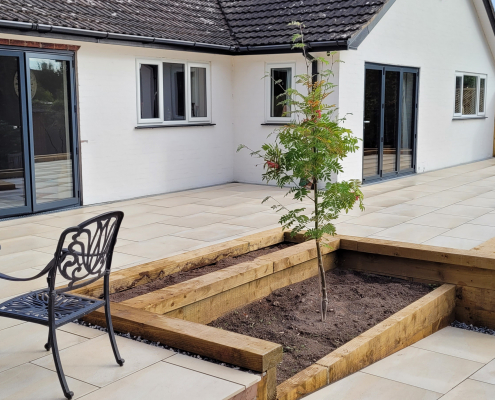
(372, 122)
(51, 127)
(390, 118)
(408, 117)
(14, 192)
(391, 121)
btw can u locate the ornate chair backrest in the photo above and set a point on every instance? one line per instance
(84, 252)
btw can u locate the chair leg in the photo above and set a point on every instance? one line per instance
(48, 344)
(111, 333)
(58, 365)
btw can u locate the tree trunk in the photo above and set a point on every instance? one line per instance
(323, 282)
(321, 269)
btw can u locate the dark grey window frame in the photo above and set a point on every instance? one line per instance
(380, 176)
(23, 55)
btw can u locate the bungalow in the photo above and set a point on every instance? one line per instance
(105, 100)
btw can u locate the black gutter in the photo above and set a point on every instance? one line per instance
(314, 68)
(108, 37)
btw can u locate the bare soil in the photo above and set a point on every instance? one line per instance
(291, 315)
(194, 273)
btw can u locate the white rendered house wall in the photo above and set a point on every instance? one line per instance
(440, 38)
(121, 162)
(250, 99)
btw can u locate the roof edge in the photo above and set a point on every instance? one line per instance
(359, 37)
(491, 13)
(66, 33)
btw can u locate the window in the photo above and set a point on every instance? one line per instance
(470, 96)
(172, 92)
(280, 77)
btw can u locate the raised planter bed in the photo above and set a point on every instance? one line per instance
(291, 315)
(177, 315)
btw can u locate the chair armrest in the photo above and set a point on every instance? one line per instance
(45, 270)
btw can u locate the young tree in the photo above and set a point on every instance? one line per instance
(308, 152)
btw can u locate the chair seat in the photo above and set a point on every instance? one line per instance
(33, 307)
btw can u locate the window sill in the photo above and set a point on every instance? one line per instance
(173, 126)
(465, 118)
(275, 123)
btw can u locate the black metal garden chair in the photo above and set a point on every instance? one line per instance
(83, 255)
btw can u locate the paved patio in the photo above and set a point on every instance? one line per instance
(27, 371)
(452, 364)
(453, 207)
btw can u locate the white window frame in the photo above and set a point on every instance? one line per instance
(160, 92)
(478, 93)
(189, 120)
(268, 87)
(208, 92)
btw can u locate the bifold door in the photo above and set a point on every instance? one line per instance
(38, 163)
(390, 110)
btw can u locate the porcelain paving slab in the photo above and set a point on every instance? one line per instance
(471, 390)
(258, 220)
(174, 201)
(213, 232)
(474, 190)
(422, 188)
(424, 369)
(25, 220)
(139, 209)
(186, 209)
(80, 330)
(240, 210)
(479, 202)
(226, 201)
(197, 220)
(248, 187)
(8, 322)
(407, 194)
(454, 243)
(159, 247)
(460, 343)
(25, 243)
(472, 232)
(93, 361)
(384, 200)
(380, 220)
(410, 233)
(488, 195)
(357, 212)
(164, 379)
(135, 221)
(487, 219)
(25, 342)
(408, 210)
(464, 211)
(68, 221)
(30, 382)
(214, 194)
(216, 370)
(356, 230)
(485, 374)
(10, 289)
(441, 220)
(28, 229)
(148, 232)
(361, 386)
(441, 199)
(24, 259)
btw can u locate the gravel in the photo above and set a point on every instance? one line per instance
(480, 329)
(163, 346)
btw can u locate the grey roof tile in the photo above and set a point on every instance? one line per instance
(219, 22)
